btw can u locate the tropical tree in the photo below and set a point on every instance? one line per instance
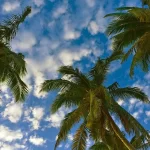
(113, 143)
(12, 65)
(94, 104)
(130, 32)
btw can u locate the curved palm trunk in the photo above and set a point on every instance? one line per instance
(118, 132)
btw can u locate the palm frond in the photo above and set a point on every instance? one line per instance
(10, 26)
(50, 85)
(75, 75)
(100, 70)
(130, 124)
(70, 119)
(80, 137)
(12, 79)
(99, 146)
(129, 92)
(69, 98)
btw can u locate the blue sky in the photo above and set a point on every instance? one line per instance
(60, 32)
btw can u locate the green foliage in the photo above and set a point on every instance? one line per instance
(80, 137)
(99, 146)
(9, 27)
(130, 27)
(67, 123)
(94, 104)
(12, 65)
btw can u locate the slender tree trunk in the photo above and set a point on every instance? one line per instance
(118, 132)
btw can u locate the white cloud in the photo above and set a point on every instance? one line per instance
(37, 115)
(147, 76)
(136, 115)
(34, 12)
(55, 119)
(120, 102)
(10, 6)
(59, 11)
(114, 66)
(69, 56)
(93, 27)
(67, 145)
(70, 137)
(24, 41)
(132, 101)
(69, 32)
(8, 135)
(1, 102)
(147, 113)
(6, 147)
(18, 146)
(37, 68)
(101, 21)
(38, 2)
(38, 141)
(13, 112)
(91, 3)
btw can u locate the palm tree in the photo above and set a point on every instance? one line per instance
(112, 142)
(130, 28)
(94, 104)
(12, 65)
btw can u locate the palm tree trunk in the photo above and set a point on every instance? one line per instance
(118, 132)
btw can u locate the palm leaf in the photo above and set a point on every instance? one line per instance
(99, 146)
(80, 137)
(12, 79)
(67, 123)
(129, 92)
(130, 124)
(69, 98)
(75, 75)
(10, 26)
(50, 85)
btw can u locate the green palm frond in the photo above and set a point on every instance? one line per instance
(10, 26)
(80, 137)
(68, 99)
(113, 86)
(50, 85)
(131, 28)
(99, 146)
(116, 55)
(130, 124)
(14, 82)
(70, 119)
(144, 146)
(100, 70)
(129, 92)
(140, 143)
(16, 61)
(75, 75)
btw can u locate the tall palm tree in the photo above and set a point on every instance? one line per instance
(94, 104)
(130, 29)
(12, 65)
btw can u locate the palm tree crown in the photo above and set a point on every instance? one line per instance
(94, 104)
(130, 28)
(12, 65)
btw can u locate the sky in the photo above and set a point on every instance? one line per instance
(56, 33)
